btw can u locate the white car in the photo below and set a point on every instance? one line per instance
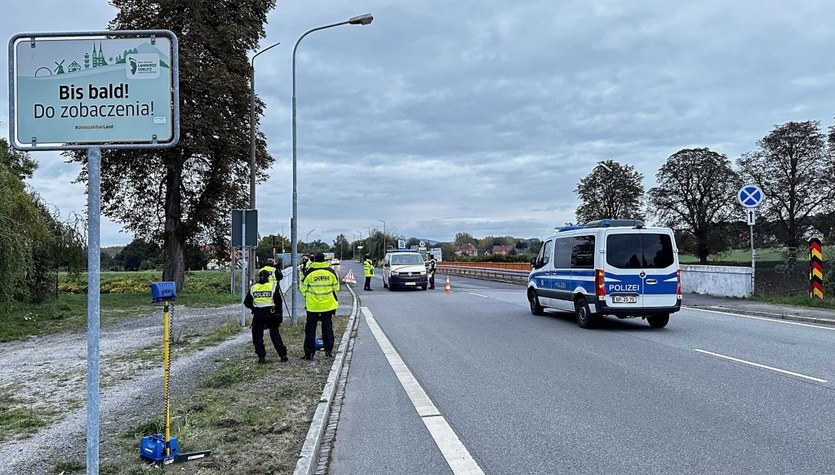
(404, 269)
(334, 262)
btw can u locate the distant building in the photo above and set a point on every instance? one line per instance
(467, 250)
(500, 250)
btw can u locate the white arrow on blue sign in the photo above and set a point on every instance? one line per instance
(750, 196)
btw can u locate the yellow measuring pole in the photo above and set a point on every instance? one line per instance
(166, 375)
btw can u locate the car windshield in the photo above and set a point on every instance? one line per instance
(406, 259)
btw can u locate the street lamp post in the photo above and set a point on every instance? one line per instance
(252, 134)
(252, 131)
(384, 235)
(357, 20)
(307, 239)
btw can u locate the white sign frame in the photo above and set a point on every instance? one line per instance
(120, 90)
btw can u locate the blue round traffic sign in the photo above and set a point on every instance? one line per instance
(750, 196)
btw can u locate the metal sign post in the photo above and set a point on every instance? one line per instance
(750, 196)
(244, 272)
(88, 91)
(244, 235)
(93, 305)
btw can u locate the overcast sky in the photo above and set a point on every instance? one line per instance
(482, 116)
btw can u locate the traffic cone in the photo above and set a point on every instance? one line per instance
(447, 289)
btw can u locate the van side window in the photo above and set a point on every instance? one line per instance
(582, 252)
(562, 253)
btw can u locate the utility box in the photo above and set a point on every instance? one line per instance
(163, 291)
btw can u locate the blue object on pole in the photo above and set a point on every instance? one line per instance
(163, 291)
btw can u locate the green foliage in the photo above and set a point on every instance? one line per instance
(24, 236)
(793, 166)
(614, 193)
(140, 254)
(696, 195)
(18, 163)
(341, 246)
(123, 294)
(186, 193)
(268, 244)
(198, 282)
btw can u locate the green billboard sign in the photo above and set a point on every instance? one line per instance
(88, 89)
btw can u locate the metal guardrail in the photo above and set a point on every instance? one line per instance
(486, 273)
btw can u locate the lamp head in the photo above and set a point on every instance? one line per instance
(362, 19)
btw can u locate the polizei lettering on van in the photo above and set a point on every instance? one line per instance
(623, 288)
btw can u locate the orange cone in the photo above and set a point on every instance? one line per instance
(447, 289)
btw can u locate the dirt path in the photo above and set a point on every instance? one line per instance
(49, 374)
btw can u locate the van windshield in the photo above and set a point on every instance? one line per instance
(406, 259)
(639, 251)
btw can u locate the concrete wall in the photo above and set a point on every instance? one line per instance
(724, 281)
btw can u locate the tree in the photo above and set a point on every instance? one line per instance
(139, 255)
(17, 162)
(24, 236)
(794, 169)
(696, 194)
(270, 245)
(614, 193)
(187, 192)
(341, 246)
(464, 238)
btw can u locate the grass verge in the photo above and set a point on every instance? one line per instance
(254, 418)
(124, 295)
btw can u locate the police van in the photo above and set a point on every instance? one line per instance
(607, 267)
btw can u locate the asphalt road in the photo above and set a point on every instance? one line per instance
(713, 392)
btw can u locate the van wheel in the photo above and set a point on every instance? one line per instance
(536, 309)
(659, 320)
(583, 314)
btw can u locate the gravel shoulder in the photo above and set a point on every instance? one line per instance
(49, 374)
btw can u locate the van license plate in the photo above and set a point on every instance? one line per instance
(624, 299)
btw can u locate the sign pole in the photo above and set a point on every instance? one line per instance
(93, 305)
(753, 256)
(243, 268)
(750, 196)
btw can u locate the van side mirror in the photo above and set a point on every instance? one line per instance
(533, 263)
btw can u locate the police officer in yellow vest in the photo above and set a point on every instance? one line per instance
(319, 286)
(264, 299)
(368, 271)
(270, 267)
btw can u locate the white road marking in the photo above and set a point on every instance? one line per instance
(479, 295)
(455, 453)
(765, 319)
(798, 375)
